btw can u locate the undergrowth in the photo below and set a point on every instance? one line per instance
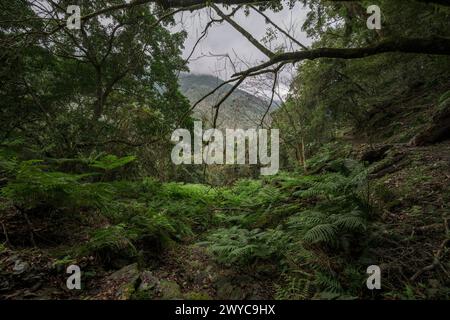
(132, 215)
(312, 226)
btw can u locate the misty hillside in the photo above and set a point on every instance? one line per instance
(240, 110)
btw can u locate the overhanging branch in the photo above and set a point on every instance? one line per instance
(197, 4)
(434, 46)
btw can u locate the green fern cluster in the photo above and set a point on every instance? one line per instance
(241, 246)
(111, 162)
(319, 227)
(136, 212)
(251, 193)
(108, 242)
(299, 222)
(148, 213)
(35, 184)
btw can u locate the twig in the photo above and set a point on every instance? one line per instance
(6, 235)
(437, 256)
(29, 224)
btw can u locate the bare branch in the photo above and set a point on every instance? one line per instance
(275, 80)
(224, 98)
(278, 28)
(244, 32)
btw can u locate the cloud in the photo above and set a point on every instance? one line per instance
(223, 39)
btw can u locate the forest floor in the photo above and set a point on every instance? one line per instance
(184, 271)
(413, 188)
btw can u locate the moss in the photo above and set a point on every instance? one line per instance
(126, 292)
(193, 295)
(170, 290)
(143, 295)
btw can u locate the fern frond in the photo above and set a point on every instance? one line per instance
(351, 222)
(321, 233)
(328, 283)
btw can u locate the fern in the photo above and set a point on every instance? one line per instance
(328, 283)
(302, 218)
(242, 246)
(111, 162)
(294, 288)
(35, 185)
(321, 233)
(107, 242)
(351, 222)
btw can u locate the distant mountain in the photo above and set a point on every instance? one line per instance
(240, 110)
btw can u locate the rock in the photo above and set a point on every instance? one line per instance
(169, 290)
(20, 266)
(130, 272)
(148, 281)
(203, 276)
(239, 287)
(226, 290)
(148, 286)
(124, 281)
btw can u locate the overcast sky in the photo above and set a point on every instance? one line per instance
(224, 39)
